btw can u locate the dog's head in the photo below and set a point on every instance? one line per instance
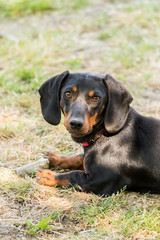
(85, 99)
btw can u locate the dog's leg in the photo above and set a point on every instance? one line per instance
(50, 178)
(65, 162)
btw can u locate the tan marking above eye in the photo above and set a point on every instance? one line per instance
(91, 93)
(74, 89)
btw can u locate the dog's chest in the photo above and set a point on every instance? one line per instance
(106, 152)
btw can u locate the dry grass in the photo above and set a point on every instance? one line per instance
(117, 37)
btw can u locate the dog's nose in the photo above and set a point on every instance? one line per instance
(76, 123)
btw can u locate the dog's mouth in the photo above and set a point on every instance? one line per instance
(78, 133)
(79, 129)
(91, 135)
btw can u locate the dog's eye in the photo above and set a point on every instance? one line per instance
(68, 94)
(96, 98)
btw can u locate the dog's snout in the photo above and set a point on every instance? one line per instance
(76, 123)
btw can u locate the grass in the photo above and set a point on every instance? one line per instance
(15, 8)
(40, 39)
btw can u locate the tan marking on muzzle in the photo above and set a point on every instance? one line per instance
(93, 119)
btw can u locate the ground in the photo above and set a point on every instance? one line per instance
(116, 37)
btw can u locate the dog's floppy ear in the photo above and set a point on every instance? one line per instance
(50, 98)
(117, 108)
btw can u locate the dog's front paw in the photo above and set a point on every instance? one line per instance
(54, 159)
(46, 177)
(50, 178)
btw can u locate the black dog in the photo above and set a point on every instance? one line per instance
(121, 147)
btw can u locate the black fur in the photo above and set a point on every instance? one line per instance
(128, 152)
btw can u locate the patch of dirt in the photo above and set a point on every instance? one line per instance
(148, 102)
(11, 220)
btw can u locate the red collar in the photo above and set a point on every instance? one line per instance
(86, 144)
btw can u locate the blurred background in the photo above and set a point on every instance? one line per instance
(42, 38)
